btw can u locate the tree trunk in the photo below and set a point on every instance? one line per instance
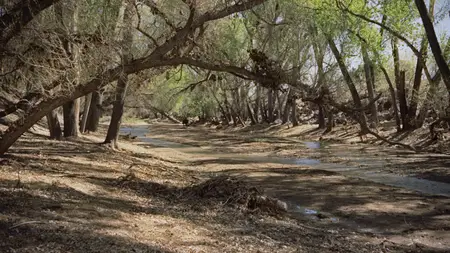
(330, 120)
(287, 107)
(270, 105)
(393, 98)
(418, 73)
(360, 116)
(87, 106)
(53, 125)
(250, 113)
(257, 103)
(370, 82)
(321, 116)
(116, 118)
(400, 86)
(95, 112)
(294, 118)
(402, 101)
(434, 43)
(71, 111)
(112, 135)
(417, 82)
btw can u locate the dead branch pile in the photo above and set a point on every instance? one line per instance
(236, 192)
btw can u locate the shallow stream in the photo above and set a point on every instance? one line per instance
(370, 171)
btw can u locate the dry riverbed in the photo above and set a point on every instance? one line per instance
(78, 196)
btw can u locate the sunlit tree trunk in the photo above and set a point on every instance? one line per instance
(87, 106)
(400, 86)
(370, 82)
(360, 116)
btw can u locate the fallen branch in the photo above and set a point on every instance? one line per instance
(379, 137)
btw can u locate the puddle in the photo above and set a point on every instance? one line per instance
(313, 214)
(313, 144)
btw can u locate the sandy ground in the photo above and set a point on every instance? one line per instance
(78, 196)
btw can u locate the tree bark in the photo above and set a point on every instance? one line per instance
(417, 82)
(71, 111)
(54, 126)
(360, 116)
(393, 98)
(87, 106)
(250, 113)
(400, 86)
(402, 100)
(287, 107)
(370, 83)
(257, 103)
(294, 112)
(112, 135)
(321, 116)
(434, 43)
(330, 120)
(270, 105)
(95, 112)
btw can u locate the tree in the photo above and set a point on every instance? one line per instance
(434, 43)
(112, 135)
(166, 52)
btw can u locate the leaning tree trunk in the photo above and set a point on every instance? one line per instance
(54, 126)
(370, 83)
(413, 104)
(360, 116)
(95, 112)
(112, 135)
(434, 43)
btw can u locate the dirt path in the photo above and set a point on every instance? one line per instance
(398, 214)
(78, 196)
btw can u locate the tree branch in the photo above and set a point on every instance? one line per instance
(18, 16)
